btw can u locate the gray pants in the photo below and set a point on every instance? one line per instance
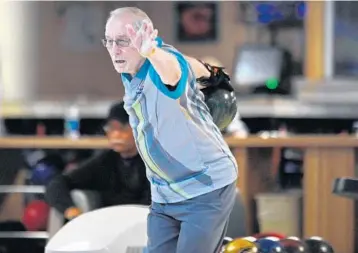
(196, 225)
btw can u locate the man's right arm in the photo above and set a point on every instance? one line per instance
(198, 69)
(58, 191)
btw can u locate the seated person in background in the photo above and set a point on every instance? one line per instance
(117, 174)
(237, 127)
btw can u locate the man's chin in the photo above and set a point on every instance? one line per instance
(120, 70)
(118, 149)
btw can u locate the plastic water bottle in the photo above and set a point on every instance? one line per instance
(72, 122)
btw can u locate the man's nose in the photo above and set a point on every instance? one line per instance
(115, 134)
(116, 50)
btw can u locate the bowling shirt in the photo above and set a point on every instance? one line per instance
(184, 151)
(117, 180)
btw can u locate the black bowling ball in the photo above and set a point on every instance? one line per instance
(318, 245)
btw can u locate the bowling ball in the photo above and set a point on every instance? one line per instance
(46, 169)
(293, 245)
(35, 215)
(270, 234)
(226, 240)
(222, 105)
(250, 238)
(42, 173)
(318, 245)
(269, 245)
(240, 245)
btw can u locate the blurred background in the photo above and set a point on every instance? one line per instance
(294, 67)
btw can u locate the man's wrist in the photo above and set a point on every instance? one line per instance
(150, 52)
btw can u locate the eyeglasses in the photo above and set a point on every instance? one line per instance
(118, 42)
(110, 128)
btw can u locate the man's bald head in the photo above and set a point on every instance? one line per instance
(132, 15)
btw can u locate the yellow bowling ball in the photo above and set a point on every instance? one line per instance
(240, 245)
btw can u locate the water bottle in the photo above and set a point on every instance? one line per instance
(72, 122)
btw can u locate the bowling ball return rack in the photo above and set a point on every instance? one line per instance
(346, 187)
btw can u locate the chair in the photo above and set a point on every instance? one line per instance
(236, 226)
(117, 229)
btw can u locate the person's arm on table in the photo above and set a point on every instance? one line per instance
(58, 191)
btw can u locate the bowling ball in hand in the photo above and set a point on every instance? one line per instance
(269, 245)
(240, 245)
(294, 245)
(318, 245)
(222, 105)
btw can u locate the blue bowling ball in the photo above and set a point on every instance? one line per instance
(42, 173)
(269, 245)
(46, 169)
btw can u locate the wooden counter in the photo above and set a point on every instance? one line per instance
(325, 158)
(303, 141)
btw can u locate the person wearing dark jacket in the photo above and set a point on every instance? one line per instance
(117, 174)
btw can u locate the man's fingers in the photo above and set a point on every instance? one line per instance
(142, 29)
(145, 34)
(154, 34)
(131, 32)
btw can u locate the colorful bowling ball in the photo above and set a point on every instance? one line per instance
(269, 234)
(317, 244)
(226, 240)
(36, 215)
(42, 173)
(46, 169)
(240, 245)
(269, 245)
(293, 245)
(250, 238)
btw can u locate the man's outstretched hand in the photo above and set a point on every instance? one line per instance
(143, 39)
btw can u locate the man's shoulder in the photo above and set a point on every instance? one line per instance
(109, 154)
